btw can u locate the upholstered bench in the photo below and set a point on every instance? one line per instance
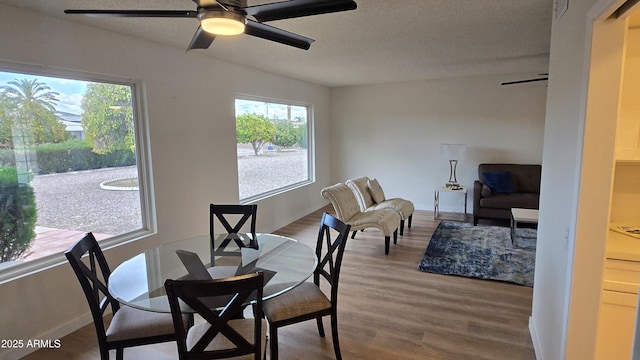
(347, 209)
(370, 197)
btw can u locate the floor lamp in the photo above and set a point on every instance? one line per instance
(453, 153)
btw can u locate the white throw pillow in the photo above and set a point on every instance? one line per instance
(376, 191)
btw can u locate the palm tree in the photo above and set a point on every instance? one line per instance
(23, 93)
(31, 104)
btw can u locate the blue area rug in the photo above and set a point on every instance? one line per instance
(483, 252)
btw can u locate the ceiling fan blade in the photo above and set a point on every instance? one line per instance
(298, 8)
(524, 81)
(201, 40)
(205, 3)
(267, 32)
(208, 4)
(136, 13)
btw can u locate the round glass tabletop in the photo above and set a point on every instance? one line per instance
(139, 281)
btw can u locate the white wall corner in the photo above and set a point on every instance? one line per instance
(534, 339)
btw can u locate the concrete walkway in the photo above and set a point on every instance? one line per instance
(64, 200)
(53, 241)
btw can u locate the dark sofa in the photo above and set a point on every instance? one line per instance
(525, 192)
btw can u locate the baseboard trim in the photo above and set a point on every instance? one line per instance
(56, 333)
(297, 216)
(534, 339)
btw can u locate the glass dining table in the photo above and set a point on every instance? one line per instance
(139, 281)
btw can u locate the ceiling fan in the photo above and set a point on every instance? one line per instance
(231, 17)
(543, 77)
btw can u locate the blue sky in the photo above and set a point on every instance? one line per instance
(71, 91)
(276, 111)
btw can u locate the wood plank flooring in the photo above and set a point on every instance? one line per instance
(387, 309)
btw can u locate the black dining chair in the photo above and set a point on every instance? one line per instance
(307, 301)
(222, 212)
(223, 335)
(129, 327)
(238, 215)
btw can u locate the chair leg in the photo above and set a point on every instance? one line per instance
(401, 227)
(120, 354)
(334, 334)
(104, 353)
(353, 236)
(410, 218)
(395, 237)
(387, 239)
(273, 341)
(264, 353)
(320, 326)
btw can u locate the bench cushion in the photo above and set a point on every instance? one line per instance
(404, 207)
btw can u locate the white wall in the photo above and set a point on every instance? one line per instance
(192, 130)
(394, 131)
(576, 183)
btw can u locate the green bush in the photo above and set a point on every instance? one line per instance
(73, 155)
(17, 215)
(7, 158)
(78, 155)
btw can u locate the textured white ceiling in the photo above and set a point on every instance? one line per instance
(381, 41)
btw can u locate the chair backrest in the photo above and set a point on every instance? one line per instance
(343, 200)
(330, 263)
(93, 274)
(239, 215)
(230, 295)
(360, 188)
(221, 212)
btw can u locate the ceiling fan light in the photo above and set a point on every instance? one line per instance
(223, 23)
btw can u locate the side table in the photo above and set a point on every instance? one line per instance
(519, 215)
(436, 201)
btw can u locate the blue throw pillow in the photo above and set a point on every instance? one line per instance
(499, 182)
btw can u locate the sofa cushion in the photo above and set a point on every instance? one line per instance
(499, 182)
(376, 190)
(508, 201)
(485, 192)
(525, 177)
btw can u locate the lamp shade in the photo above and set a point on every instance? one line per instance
(453, 151)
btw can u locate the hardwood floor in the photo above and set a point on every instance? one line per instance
(387, 309)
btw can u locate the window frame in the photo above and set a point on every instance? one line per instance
(311, 173)
(143, 164)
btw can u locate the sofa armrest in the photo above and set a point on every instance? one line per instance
(477, 195)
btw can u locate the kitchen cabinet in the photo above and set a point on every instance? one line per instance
(619, 297)
(616, 325)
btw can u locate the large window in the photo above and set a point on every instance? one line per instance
(69, 156)
(274, 153)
